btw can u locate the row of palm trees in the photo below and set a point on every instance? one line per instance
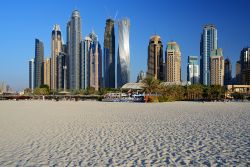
(155, 88)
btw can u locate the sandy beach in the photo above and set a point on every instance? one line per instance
(46, 133)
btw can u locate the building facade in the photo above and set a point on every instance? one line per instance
(123, 61)
(74, 38)
(208, 43)
(245, 66)
(141, 76)
(39, 56)
(173, 62)
(95, 63)
(62, 71)
(238, 73)
(228, 72)
(56, 48)
(217, 67)
(109, 54)
(193, 70)
(46, 71)
(155, 58)
(31, 74)
(85, 60)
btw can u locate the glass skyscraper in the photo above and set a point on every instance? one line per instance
(245, 66)
(207, 44)
(31, 74)
(39, 56)
(74, 38)
(91, 62)
(193, 70)
(85, 66)
(109, 54)
(228, 72)
(123, 61)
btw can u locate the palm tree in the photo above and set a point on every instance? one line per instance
(151, 85)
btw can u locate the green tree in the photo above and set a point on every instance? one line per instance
(194, 92)
(41, 91)
(151, 85)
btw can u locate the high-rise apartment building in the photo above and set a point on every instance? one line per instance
(173, 62)
(31, 73)
(39, 56)
(85, 60)
(46, 71)
(109, 54)
(238, 72)
(245, 66)
(155, 58)
(228, 72)
(74, 38)
(217, 67)
(141, 76)
(123, 61)
(95, 62)
(208, 43)
(62, 71)
(56, 48)
(193, 70)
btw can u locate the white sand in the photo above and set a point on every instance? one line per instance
(42, 133)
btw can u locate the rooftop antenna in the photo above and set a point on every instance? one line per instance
(116, 13)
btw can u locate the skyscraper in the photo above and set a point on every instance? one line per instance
(141, 76)
(62, 71)
(46, 71)
(31, 74)
(228, 72)
(123, 61)
(245, 66)
(74, 37)
(109, 54)
(39, 55)
(95, 63)
(85, 60)
(173, 62)
(217, 67)
(193, 70)
(155, 58)
(207, 44)
(56, 48)
(238, 73)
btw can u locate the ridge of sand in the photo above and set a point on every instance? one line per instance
(44, 133)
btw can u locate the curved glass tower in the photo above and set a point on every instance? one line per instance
(123, 62)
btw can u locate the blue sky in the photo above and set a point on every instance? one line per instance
(179, 20)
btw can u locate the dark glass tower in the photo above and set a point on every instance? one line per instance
(39, 56)
(228, 72)
(109, 54)
(245, 66)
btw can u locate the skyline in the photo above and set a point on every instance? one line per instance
(229, 18)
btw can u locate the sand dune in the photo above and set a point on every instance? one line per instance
(39, 133)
